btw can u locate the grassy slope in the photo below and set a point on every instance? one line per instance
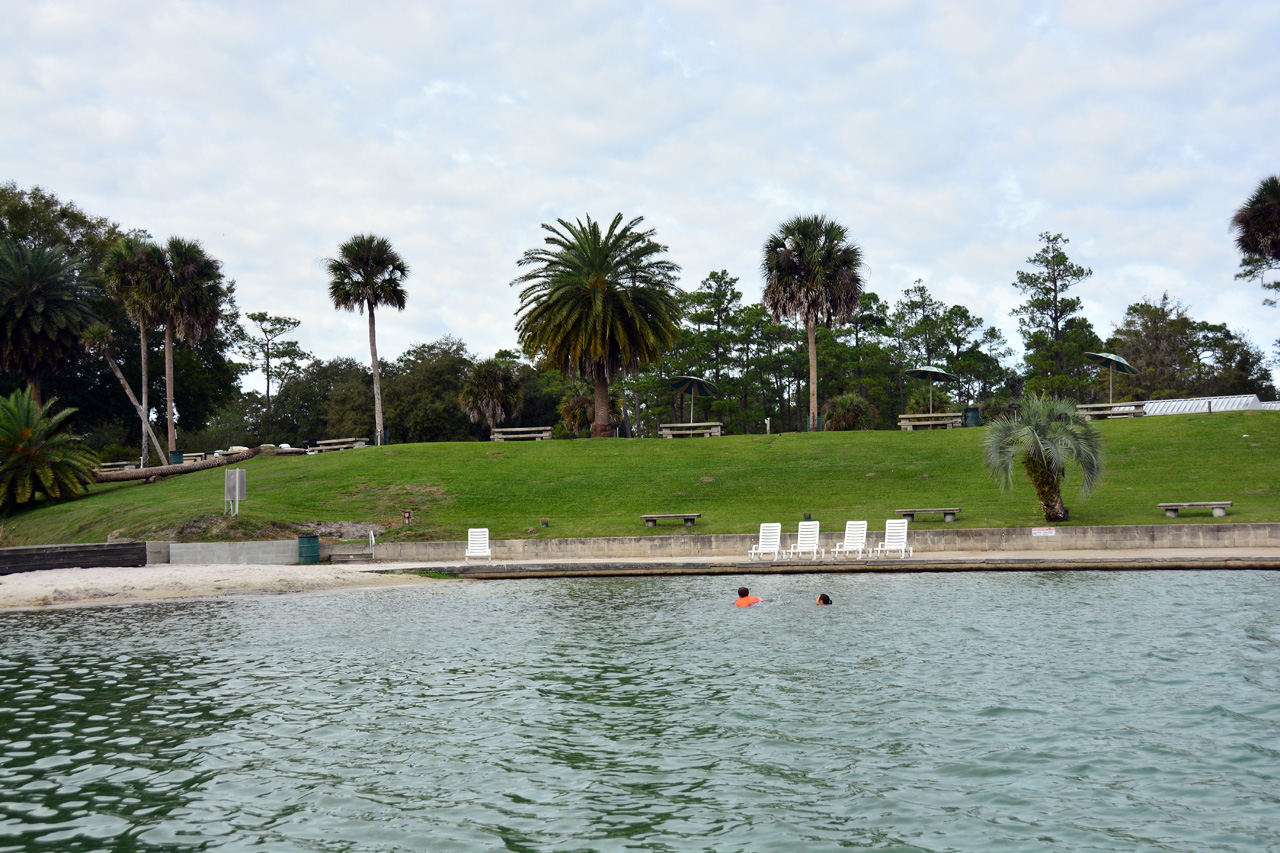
(598, 488)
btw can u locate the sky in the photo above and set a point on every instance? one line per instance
(945, 136)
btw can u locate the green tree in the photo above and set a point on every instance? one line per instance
(813, 272)
(98, 339)
(39, 459)
(492, 391)
(132, 271)
(37, 217)
(1056, 337)
(423, 389)
(44, 307)
(190, 299)
(317, 403)
(598, 305)
(368, 273)
(277, 359)
(1045, 435)
(1257, 228)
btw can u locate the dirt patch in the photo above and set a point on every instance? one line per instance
(342, 529)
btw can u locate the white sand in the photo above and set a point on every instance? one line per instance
(52, 587)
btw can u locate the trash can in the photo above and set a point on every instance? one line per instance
(175, 457)
(971, 417)
(309, 550)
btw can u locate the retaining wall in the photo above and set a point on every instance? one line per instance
(281, 552)
(29, 559)
(1263, 535)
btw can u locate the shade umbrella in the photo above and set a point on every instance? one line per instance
(1114, 363)
(931, 373)
(695, 387)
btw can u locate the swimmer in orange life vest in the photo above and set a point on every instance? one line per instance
(745, 598)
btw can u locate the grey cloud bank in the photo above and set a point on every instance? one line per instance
(945, 136)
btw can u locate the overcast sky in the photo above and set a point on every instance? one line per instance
(946, 136)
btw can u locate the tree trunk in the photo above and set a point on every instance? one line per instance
(1048, 490)
(600, 428)
(377, 382)
(171, 470)
(145, 412)
(137, 407)
(812, 328)
(168, 382)
(37, 396)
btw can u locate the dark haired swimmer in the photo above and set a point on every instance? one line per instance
(824, 600)
(745, 598)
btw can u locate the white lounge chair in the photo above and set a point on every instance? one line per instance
(478, 544)
(895, 538)
(855, 540)
(770, 542)
(806, 541)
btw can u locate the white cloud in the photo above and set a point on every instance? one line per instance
(945, 136)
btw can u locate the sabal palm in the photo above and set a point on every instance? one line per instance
(812, 271)
(368, 273)
(190, 301)
(1257, 223)
(492, 390)
(132, 272)
(43, 308)
(37, 458)
(1046, 436)
(598, 304)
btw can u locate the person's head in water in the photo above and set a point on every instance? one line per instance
(824, 600)
(743, 592)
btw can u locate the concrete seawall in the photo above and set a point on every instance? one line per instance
(923, 540)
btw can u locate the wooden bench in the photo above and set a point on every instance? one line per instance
(708, 429)
(1219, 507)
(948, 513)
(340, 444)
(937, 420)
(689, 518)
(1113, 410)
(194, 457)
(521, 434)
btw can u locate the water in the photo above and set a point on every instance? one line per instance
(1081, 711)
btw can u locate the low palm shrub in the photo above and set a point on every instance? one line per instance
(39, 460)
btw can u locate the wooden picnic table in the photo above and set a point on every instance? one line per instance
(127, 465)
(340, 444)
(1113, 410)
(521, 434)
(936, 420)
(706, 429)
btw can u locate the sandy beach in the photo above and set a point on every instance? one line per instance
(54, 587)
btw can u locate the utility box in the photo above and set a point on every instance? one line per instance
(235, 486)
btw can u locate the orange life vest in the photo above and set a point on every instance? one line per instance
(748, 601)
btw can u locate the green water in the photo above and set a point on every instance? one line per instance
(981, 712)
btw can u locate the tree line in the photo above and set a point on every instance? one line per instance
(603, 329)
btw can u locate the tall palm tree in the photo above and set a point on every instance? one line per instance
(43, 308)
(37, 458)
(98, 339)
(598, 305)
(1045, 436)
(492, 390)
(368, 273)
(132, 272)
(812, 271)
(1257, 228)
(190, 300)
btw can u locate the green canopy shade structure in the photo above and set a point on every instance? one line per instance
(693, 386)
(931, 373)
(1113, 362)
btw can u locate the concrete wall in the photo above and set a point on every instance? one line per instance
(283, 552)
(933, 538)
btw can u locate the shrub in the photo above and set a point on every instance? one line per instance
(38, 460)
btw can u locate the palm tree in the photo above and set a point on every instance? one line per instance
(98, 339)
(190, 301)
(36, 458)
(1045, 435)
(1257, 228)
(132, 272)
(368, 273)
(492, 390)
(812, 271)
(598, 305)
(43, 308)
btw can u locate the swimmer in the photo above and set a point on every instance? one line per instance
(745, 598)
(824, 600)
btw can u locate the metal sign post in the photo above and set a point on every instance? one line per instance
(233, 491)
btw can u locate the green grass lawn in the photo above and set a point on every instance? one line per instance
(600, 488)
